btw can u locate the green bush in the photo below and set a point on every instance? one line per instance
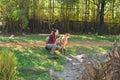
(19, 15)
(7, 65)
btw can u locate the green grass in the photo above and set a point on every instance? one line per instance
(27, 38)
(41, 38)
(35, 59)
(39, 60)
(97, 38)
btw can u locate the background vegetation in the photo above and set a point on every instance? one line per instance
(75, 16)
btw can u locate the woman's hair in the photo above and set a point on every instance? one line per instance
(53, 32)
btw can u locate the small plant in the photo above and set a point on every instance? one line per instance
(7, 65)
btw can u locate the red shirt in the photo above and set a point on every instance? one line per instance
(52, 39)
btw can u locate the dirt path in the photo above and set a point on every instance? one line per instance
(22, 44)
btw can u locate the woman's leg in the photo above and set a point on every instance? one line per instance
(53, 47)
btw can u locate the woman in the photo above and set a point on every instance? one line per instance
(50, 42)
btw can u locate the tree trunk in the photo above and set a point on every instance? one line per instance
(51, 27)
(113, 10)
(53, 13)
(101, 24)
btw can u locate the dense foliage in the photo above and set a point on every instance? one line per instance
(79, 16)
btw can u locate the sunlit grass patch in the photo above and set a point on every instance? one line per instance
(93, 37)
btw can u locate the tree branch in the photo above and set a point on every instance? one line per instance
(93, 1)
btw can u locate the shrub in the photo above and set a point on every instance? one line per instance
(7, 65)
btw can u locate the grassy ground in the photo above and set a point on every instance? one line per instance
(105, 38)
(35, 62)
(41, 38)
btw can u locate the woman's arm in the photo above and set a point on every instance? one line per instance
(47, 39)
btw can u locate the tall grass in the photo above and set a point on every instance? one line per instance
(7, 65)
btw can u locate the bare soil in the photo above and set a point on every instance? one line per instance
(78, 43)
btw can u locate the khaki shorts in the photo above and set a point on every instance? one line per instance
(50, 46)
